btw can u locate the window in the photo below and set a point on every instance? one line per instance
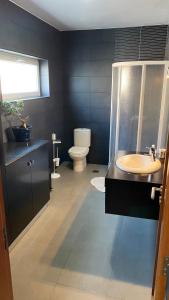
(19, 76)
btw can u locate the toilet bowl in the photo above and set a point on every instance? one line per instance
(78, 155)
(79, 151)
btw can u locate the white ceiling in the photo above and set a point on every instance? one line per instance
(94, 14)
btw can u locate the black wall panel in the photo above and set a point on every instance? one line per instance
(88, 57)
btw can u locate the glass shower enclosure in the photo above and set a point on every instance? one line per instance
(139, 106)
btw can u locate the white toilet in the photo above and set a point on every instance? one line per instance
(78, 153)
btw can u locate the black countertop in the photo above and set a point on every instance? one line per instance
(116, 174)
(14, 151)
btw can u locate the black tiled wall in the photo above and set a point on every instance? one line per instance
(87, 87)
(24, 33)
(153, 42)
(127, 43)
(140, 43)
(167, 46)
(88, 58)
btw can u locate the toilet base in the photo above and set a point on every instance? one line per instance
(79, 165)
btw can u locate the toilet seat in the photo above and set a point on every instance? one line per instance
(78, 151)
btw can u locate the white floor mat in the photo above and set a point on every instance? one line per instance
(98, 183)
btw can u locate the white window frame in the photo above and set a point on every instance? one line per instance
(10, 56)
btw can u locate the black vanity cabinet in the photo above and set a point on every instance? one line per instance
(26, 186)
(130, 194)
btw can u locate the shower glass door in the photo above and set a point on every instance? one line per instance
(140, 106)
(153, 89)
(128, 108)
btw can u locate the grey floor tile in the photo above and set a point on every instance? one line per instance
(134, 251)
(75, 251)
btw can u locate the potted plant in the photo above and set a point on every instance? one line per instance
(14, 111)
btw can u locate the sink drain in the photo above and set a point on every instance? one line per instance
(95, 171)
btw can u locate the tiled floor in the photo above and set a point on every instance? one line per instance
(75, 251)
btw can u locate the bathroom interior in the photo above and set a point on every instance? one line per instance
(84, 128)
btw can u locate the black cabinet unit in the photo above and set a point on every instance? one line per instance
(18, 200)
(130, 194)
(40, 177)
(26, 183)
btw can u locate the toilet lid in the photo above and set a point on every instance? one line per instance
(78, 150)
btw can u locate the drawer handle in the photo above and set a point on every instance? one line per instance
(29, 163)
(154, 190)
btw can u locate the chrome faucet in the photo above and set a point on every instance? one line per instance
(152, 152)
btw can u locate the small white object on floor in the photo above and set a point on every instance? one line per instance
(98, 183)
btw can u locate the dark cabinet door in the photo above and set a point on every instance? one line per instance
(5, 274)
(19, 203)
(40, 177)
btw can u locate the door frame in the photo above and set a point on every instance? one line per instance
(162, 248)
(5, 281)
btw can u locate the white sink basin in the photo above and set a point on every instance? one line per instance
(138, 164)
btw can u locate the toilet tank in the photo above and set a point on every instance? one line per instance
(82, 137)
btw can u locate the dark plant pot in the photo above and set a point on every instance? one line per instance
(22, 134)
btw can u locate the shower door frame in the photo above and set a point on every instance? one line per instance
(143, 64)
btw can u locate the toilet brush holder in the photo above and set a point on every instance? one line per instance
(56, 160)
(55, 175)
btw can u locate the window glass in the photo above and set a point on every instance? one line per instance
(19, 76)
